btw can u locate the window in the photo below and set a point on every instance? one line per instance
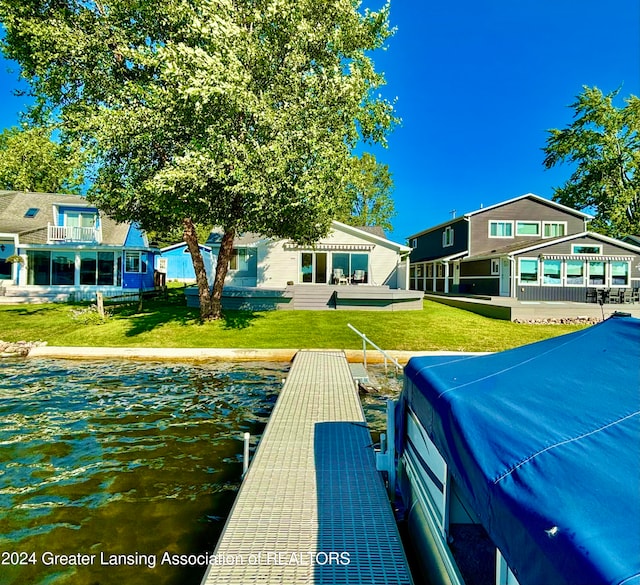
(63, 268)
(38, 267)
(242, 259)
(585, 249)
(80, 219)
(527, 228)
(500, 229)
(597, 273)
(552, 272)
(495, 266)
(135, 262)
(447, 237)
(440, 271)
(31, 212)
(619, 273)
(554, 229)
(88, 266)
(429, 270)
(528, 270)
(349, 263)
(106, 268)
(575, 273)
(413, 242)
(419, 270)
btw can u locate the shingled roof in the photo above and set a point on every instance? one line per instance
(33, 230)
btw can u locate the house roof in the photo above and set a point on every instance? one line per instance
(532, 196)
(541, 243)
(373, 234)
(33, 230)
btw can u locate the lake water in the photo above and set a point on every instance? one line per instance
(107, 469)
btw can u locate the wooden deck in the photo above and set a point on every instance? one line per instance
(312, 508)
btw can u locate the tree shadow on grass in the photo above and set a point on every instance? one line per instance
(239, 319)
(155, 314)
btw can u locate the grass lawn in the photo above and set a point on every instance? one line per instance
(171, 324)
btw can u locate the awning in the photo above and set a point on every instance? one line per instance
(327, 247)
(588, 257)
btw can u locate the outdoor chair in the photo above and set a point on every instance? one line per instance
(358, 276)
(626, 295)
(339, 277)
(635, 295)
(591, 295)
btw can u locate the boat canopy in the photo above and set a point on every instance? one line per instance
(544, 441)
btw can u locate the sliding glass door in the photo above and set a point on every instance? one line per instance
(313, 267)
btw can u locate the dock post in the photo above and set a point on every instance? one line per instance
(245, 454)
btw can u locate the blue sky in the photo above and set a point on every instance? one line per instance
(478, 85)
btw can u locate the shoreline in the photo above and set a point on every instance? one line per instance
(223, 354)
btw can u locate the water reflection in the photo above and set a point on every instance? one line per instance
(102, 458)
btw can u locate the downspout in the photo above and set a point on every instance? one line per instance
(512, 269)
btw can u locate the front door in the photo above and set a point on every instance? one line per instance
(505, 274)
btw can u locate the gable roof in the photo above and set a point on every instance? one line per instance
(531, 196)
(33, 230)
(373, 234)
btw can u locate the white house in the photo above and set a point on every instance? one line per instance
(352, 267)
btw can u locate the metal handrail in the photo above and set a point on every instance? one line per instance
(366, 340)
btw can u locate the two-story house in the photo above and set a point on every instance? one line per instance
(528, 248)
(64, 247)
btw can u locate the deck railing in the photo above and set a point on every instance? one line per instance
(365, 340)
(63, 233)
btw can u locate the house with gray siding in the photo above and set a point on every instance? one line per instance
(527, 248)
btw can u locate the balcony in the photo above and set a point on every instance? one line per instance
(63, 233)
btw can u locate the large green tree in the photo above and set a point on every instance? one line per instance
(237, 113)
(31, 161)
(603, 146)
(369, 194)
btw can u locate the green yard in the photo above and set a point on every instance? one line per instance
(171, 324)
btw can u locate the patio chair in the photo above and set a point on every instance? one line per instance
(591, 295)
(626, 295)
(358, 276)
(339, 277)
(635, 295)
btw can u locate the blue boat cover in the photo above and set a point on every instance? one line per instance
(544, 441)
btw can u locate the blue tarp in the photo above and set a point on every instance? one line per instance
(544, 441)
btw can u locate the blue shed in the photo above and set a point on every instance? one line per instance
(179, 263)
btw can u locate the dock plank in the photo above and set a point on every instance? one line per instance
(312, 508)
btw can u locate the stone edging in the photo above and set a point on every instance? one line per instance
(19, 348)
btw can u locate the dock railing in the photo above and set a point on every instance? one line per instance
(365, 340)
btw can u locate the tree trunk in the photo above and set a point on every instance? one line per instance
(204, 294)
(224, 256)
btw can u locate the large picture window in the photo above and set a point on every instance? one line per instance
(38, 267)
(529, 270)
(353, 265)
(63, 268)
(552, 272)
(619, 273)
(597, 273)
(527, 228)
(575, 273)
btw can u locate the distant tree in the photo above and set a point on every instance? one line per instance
(31, 161)
(369, 191)
(603, 143)
(237, 113)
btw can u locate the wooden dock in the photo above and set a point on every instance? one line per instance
(312, 508)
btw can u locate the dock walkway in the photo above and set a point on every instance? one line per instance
(312, 508)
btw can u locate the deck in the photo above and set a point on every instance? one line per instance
(511, 309)
(312, 508)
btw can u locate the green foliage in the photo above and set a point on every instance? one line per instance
(237, 113)
(89, 315)
(369, 191)
(31, 161)
(603, 144)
